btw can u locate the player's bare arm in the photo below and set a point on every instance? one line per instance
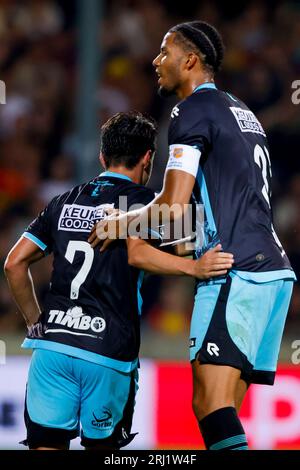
(144, 256)
(176, 193)
(17, 271)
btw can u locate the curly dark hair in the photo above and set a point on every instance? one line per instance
(203, 39)
(126, 137)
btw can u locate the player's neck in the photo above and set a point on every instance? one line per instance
(188, 87)
(135, 174)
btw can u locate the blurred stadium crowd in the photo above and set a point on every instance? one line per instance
(38, 54)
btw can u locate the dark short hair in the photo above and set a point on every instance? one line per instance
(204, 38)
(126, 137)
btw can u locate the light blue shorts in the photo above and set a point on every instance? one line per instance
(67, 393)
(240, 324)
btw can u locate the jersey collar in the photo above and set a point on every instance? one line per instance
(205, 85)
(115, 175)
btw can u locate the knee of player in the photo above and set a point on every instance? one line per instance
(205, 400)
(200, 403)
(197, 406)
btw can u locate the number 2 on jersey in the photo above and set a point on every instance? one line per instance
(81, 276)
(262, 159)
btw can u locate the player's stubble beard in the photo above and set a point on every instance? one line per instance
(165, 92)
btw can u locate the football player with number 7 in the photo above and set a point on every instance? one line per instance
(84, 366)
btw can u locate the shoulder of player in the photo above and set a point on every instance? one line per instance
(68, 196)
(196, 104)
(207, 103)
(137, 194)
(234, 100)
(134, 188)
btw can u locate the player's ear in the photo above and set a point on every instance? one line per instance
(191, 60)
(102, 161)
(147, 158)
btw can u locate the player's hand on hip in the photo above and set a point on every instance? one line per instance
(213, 263)
(36, 330)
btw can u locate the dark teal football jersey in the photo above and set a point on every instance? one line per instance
(233, 179)
(93, 303)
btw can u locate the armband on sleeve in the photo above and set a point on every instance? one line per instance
(184, 157)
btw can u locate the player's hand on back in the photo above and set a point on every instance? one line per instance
(113, 227)
(213, 263)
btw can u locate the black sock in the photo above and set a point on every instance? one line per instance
(222, 430)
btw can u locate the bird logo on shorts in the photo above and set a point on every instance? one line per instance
(105, 421)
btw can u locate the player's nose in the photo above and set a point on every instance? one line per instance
(155, 61)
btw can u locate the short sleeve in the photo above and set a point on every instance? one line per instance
(189, 136)
(190, 123)
(39, 230)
